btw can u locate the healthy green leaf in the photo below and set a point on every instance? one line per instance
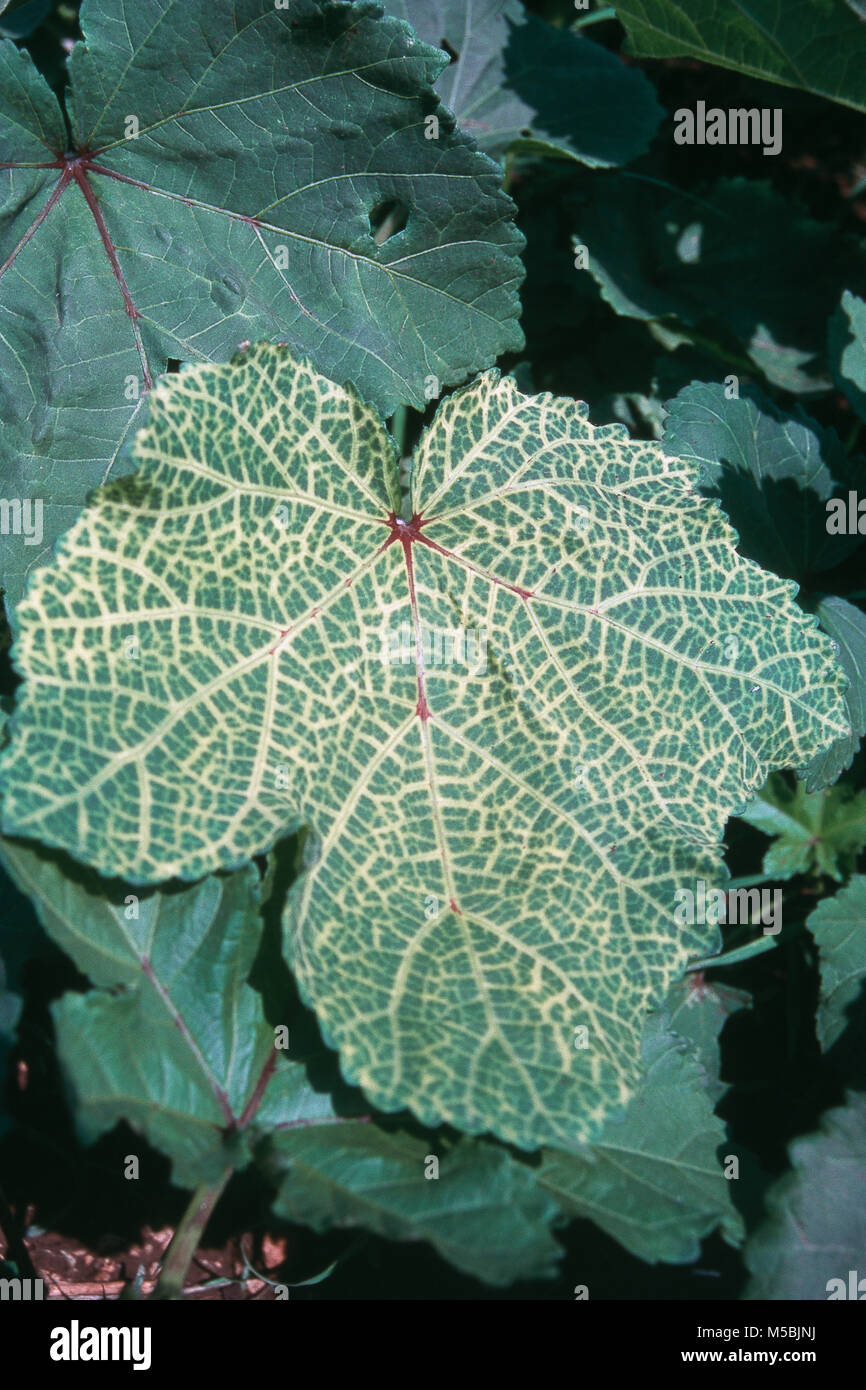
(652, 1179)
(21, 17)
(478, 1207)
(245, 637)
(847, 627)
(838, 925)
(815, 832)
(819, 47)
(175, 1042)
(698, 1010)
(815, 1232)
(230, 169)
(515, 82)
(773, 472)
(704, 258)
(847, 349)
(10, 1010)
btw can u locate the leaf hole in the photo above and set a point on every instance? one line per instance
(172, 364)
(387, 219)
(449, 49)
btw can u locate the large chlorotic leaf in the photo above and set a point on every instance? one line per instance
(230, 167)
(847, 627)
(815, 1230)
(175, 1042)
(814, 832)
(838, 925)
(653, 1179)
(820, 47)
(772, 470)
(245, 637)
(514, 80)
(705, 259)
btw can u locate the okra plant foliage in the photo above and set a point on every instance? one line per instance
(373, 700)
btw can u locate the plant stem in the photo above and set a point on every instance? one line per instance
(187, 1237)
(595, 16)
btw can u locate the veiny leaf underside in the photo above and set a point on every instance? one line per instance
(818, 46)
(228, 169)
(242, 639)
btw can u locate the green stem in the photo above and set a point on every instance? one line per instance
(187, 1238)
(595, 17)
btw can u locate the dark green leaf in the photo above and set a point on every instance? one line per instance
(515, 81)
(698, 1010)
(773, 472)
(815, 1231)
(657, 254)
(838, 925)
(478, 1207)
(847, 349)
(653, 1180)
(236, 164)
(814, 832)
(847, 627)
(820, 47)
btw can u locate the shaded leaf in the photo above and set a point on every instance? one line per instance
(818, 47)
(698, 1010)
(478, 1207)
(814, 832)
(10, 1010)
(21, 17)
(232, 165)
(515, 81)
(838, 925)
(847, 349)
(815, 1229)
(847, 627)
(652, 1179)
(655, 254)
(497, 832)
(773, 472)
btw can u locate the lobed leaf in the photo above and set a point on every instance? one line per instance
(847, 349)
(814, 832)
(704, 260)
(846, 625)
(838, 925)
(652, 1179)
(818, 47)
(231, 169)
(815, 1230)
(516, 82)
(772, 470)
(241, 639)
